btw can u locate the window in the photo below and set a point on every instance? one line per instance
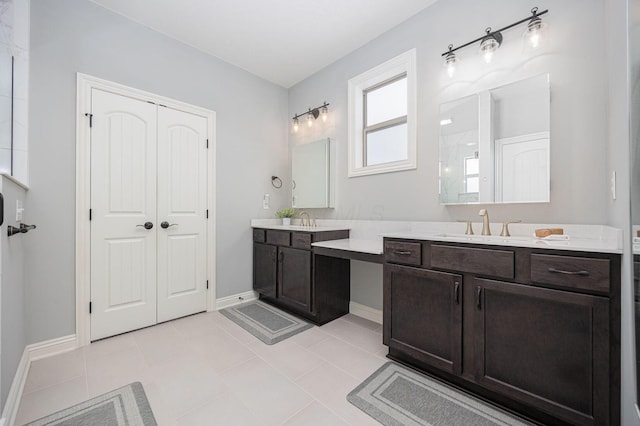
(382, 111)
(471, 175)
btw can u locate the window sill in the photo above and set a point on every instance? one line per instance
(382, 168)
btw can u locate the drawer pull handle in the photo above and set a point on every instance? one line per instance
(479, 297)
(560, 271)
(456, 291)
(403, 252)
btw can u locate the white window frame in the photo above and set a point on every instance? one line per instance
(404, 63)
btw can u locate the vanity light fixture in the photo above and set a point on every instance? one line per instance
(491, 40)
(312, 114)
(489, 44)
(450, 60)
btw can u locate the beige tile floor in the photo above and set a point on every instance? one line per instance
(206, 370)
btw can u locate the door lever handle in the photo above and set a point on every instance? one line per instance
(166, 224)
(147, 225)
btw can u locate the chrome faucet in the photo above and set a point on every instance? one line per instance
(486, 230)
(302, 222)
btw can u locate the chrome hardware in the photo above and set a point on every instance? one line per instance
(560, 271)
(486, 229)
(302, 222)
(469, 230)
(23, 229)
(165, 225)
(147, 225)
(505, 228)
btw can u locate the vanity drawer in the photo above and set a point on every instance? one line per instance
(572, 272)
(281, 238)
(403, 252)
(301, 240)
(495, 263)
(258, 235)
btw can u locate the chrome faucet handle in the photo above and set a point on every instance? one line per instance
(505, 228)
(469, 230)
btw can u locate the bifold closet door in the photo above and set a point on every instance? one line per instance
(182, 211)
(123, 210)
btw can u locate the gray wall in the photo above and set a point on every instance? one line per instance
(575, 60)
(12, 318)
(69, 36)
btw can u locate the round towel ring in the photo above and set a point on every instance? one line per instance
(276, 182)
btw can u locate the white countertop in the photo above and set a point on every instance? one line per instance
(572, 244)
(366, 235)
(353, 244)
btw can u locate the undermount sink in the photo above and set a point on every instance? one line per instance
(484, 238)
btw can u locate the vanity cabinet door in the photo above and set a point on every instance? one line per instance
(264, 269)
(294, 278)
(423, 315)
(546, 348)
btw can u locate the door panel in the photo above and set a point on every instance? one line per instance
(264, 269)
(182, 203)
(423, 315)
(123, 188)
(294, 285)
(544, 347)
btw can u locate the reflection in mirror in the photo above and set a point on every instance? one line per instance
(312, 171)
(634, 114)
(494, 145)
(6, 108)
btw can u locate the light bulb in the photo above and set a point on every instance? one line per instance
(323, 113)
(535, 31)
(450, 61)
(489, 45)
(309, 120)
(295, 125)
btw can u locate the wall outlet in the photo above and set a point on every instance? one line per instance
(19, 210)
(265, 201)
(613, 185)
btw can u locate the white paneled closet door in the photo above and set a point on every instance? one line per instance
(123, 200)
(182, 211)
(149, 211)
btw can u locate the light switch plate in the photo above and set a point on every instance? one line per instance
(265, 201)
(19, 210)
(613, 185)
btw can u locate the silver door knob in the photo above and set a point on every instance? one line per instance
(147, 225)
(166, 224)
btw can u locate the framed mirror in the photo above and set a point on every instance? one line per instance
(312, 171)
(495, 145)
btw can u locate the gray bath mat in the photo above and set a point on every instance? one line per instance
(127, 406)
(267, 323)
(395, 395)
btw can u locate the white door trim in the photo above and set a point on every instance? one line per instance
(85, 83)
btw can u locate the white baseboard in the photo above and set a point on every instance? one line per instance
(365, 312)
(32, 353)
(236, 299)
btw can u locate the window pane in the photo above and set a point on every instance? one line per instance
(473, 184)
(472, 166)
(387, 145)
(387, 102)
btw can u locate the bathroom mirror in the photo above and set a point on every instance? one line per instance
(495, 145)
(312, 170)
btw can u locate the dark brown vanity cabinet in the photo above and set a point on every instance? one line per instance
(294, 277)
(536, 331)
(287, 273)
(426, 315)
